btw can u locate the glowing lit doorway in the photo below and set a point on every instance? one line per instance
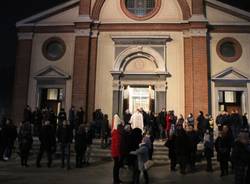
(139, 97)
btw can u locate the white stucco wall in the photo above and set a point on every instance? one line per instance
(217, 16)
(112, 12)
(38, 62)
(175, 65)
(217, 65)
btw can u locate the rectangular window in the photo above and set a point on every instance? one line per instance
(52, 94)
(230, 97)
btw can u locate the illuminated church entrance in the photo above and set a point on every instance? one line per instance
(139, 97)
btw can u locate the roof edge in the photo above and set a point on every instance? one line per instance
(229, 9)
(46, 13)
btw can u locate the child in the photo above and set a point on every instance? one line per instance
(142, 157)
(208, 149)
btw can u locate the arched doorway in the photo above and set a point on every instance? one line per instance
(139, 80)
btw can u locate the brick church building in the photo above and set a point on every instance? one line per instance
(185, 55)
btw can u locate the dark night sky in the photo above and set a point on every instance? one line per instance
(13, 10)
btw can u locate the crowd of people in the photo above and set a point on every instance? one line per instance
(131, 139)
(54, 132)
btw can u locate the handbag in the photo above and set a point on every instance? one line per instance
(148, 164)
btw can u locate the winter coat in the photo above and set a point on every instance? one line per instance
(125, 145)
(208, 145)
(142, 155)
(171, 144)
(127, 117)
(80, 139)
(162, 119)
(47, 137)
(137, 120)
(65, 134)
(25, 136)
(9, 134)
(183, 145)
(168, 122)
(240, 154)
(223, 148)
(115, 144)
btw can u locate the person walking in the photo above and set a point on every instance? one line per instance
(25, 142)
(47, 143)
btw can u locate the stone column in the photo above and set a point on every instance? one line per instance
(80, 71)
(92, 74)
(160, 96)
(22, 75)
(248, 101)
(196, 71)
(117, 98)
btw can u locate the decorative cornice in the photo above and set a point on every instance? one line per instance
(195, 33)
(25, 36)
(82, 32)
(84, 18)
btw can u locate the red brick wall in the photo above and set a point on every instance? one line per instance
(80, 74)
(197, 7)
(21, 82)
(196, 75)
(85, 6)
(92, 78)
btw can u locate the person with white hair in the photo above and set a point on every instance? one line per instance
(137, 120)
(115, 148)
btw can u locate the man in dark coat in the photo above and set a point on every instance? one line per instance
(72, 117)
(52, 120)
(27, 114)
(223, 146)
(65, 136)
(162, 122)
(127, 115)
(104, 131)
(25, 142)
(240, 158)
(62, 116)
(236, 123)
(80, 145)
(183, 148)
(9, 134)
(47, 143)
(37, 121)
(80, 117)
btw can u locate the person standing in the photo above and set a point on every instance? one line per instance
(209, 149)
(115, 148)
(80, 116)
(104, 131)
(127, 115)
(65, 137)
(9, 135)
(162, 123)
(80, 145)
(47, 143)
(171, 144)
(62, 116)
(25, 142)
(137, 120)
(37, 121)
(190, 120)
(72, 117)
(241, 158)
(223, 146)
(27, 114)
(245, 122)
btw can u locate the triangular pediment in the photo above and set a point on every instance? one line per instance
(51, 72)
(230, 74)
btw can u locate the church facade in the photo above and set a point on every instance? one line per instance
(185, 55)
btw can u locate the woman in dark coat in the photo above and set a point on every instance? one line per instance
(25, 142)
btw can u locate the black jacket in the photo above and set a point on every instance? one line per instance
(47, 137)
(64, 134)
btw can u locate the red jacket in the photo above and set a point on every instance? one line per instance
(115, 144)
(168, 122)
